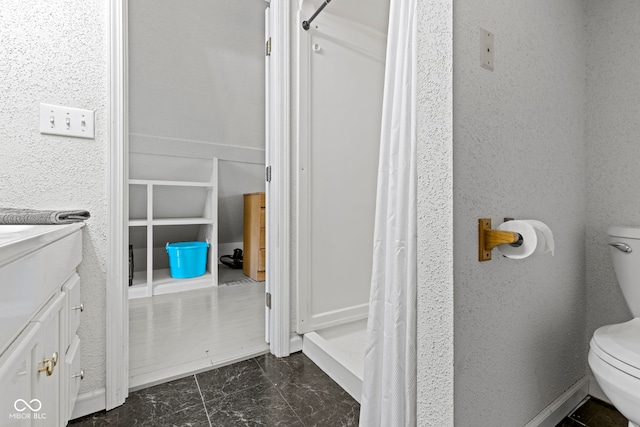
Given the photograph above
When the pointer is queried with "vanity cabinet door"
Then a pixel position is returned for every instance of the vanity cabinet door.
(73, 309)
(49, 364)
(18, 404)
(73, 375)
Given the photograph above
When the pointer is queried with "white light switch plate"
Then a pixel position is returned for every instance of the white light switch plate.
(486, 49)
(67, 121)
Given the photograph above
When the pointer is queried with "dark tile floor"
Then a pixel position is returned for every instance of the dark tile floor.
(264, 391)
(595, 413)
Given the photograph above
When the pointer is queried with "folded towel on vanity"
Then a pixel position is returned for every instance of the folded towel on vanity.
(37, 217)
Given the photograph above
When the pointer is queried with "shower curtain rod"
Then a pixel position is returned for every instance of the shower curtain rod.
(306, 24)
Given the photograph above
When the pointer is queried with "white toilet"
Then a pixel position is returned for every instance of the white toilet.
(614, 356)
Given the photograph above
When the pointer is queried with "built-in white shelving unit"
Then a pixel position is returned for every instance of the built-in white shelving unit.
(170, 207)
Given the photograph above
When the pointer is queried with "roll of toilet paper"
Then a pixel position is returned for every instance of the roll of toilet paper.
(537, 238)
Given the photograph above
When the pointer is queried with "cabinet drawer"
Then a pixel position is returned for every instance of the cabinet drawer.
(263, 238)
(263, 216)
(73, 372)
(73, 305)
(262, 257)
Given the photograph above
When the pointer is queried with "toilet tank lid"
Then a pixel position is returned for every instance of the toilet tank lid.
(628, 231)
(621, 341)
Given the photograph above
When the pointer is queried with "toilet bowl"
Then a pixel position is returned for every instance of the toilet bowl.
(614, 354)
(614, 358)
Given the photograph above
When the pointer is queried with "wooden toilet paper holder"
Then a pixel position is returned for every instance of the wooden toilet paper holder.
(489, 239)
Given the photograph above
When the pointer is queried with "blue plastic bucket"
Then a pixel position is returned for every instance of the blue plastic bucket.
(187, 259)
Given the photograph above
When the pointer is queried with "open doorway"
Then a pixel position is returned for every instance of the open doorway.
(197, 146)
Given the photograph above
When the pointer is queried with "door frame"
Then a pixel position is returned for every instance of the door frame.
(117, 303)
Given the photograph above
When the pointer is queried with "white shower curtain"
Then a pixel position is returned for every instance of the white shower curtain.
(389, 385)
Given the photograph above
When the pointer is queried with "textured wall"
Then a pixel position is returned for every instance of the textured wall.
(613, 90)
(56, 52)
(519, 152)
(435, 214)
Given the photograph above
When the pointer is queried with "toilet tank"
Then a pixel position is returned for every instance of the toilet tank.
(627, 265)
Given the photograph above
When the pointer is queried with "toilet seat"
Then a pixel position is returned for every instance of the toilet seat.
(619, 346)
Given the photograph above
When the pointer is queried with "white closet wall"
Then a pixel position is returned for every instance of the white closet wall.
(341, 85)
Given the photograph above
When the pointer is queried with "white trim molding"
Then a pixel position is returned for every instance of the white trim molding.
(295, 343)
(89, 403)
(117, 313)
(281, 184)
(562, 406)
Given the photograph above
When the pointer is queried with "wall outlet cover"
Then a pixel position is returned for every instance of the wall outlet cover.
(486, 49)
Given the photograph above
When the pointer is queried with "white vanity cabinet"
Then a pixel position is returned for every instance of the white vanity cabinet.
(39, 362)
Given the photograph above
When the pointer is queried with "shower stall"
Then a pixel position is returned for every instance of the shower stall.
(340, 62)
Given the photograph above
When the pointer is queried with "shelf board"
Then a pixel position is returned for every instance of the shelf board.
(163, 283)
(182, 221)
(170, 221)
(139, 279)
(138, 289)
(170, 183)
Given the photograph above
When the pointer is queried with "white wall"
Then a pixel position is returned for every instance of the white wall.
(197, 70)
(613, 129)
(57, 52)
(519, 152)
(197, 84)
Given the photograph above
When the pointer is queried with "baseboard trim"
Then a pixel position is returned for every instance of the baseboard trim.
(89, 403)
(562, 406)
(295, 344)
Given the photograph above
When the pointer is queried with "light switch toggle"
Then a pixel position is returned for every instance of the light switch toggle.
(67, 121)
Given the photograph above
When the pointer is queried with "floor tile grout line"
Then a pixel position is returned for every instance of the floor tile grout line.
(289, 405)
(577, 421)
(279, 392)
(203, 402)
(264, 373)
(239, 390)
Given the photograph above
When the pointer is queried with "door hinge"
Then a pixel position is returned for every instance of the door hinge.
(267, 174)
(268, 47)
(267, 300)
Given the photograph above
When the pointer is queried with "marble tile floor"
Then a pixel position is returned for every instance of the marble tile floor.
(263, 391)
(595, 413)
